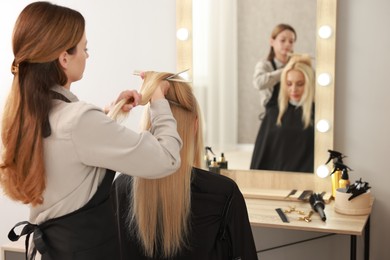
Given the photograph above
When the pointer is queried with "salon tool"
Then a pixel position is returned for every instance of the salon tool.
(307, 218)
(292, 192)
(337, 157)
(317, 203)
(358, 188)
(206, 155)
(172, 77)
(344, 179)
(305, 194)
(293, 209)
(282, 216)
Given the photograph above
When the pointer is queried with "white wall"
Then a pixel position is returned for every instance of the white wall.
(362, 125)
(123, 36)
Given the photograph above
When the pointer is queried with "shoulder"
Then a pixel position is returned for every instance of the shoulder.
(209, 182)
(64, 117)
(263, 64)
(72, 111)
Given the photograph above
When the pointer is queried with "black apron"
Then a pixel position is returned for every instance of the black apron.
(273, 101)
(89, 233)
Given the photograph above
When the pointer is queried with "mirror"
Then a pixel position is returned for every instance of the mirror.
(223, 125)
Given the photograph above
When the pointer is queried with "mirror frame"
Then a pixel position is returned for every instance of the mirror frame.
(325, 63)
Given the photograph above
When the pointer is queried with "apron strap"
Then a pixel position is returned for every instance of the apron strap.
(46, 128)
(27, 230)
(275, 93)
(101, 195)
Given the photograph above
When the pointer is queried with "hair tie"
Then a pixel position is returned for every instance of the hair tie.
(15, 69)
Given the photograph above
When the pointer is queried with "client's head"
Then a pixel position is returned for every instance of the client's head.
(297, 87)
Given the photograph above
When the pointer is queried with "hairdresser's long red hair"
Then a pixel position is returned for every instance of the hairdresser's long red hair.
(42, 32)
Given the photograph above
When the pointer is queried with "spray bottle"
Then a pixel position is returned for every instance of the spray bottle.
(207, 159)
(337, 158)
(344, 179)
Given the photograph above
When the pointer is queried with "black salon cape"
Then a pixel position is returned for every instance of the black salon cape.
(211, 196)
(288, 147)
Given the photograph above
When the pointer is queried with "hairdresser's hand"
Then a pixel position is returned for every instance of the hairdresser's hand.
(161, 90)
(133, 98)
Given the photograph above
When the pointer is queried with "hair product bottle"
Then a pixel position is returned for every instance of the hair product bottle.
(213, 167)
(344, 180)
(337, 158)
(223, 164)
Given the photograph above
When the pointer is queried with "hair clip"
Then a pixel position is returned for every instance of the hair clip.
(15, 69)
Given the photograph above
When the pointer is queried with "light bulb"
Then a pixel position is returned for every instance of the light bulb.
(323, 126)
(182, 34)
(324, 79)
(322, 171)
(325, 32)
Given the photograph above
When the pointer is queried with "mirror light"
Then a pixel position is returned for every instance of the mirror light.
(182, 34)
(325, 32)
(324, 79)
(322, 171)
(323, 126)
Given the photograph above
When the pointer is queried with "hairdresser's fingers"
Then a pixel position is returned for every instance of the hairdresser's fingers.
(127, 107)
(132, 102)
(164, 85)
(132, 97)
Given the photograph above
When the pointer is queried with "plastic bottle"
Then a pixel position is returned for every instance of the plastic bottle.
(214, 167)
(207, 159)
(337, 158)
(344, 180)
(223, 164)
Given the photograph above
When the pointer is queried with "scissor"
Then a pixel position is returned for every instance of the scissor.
(170, 78)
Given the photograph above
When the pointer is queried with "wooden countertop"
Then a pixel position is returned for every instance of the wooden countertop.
(262, 214)
(261, 210)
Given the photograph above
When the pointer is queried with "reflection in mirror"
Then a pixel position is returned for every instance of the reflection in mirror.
(217, 83)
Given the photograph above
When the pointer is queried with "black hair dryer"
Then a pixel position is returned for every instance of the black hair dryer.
(318, 204)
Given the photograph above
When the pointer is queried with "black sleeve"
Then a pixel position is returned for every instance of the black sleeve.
(243, 245)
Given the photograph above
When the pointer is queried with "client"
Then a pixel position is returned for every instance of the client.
(191, 214)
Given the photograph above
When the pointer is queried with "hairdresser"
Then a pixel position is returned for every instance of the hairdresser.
(60, 154)
(266, 76)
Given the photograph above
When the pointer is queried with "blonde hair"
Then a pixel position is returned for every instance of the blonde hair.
(160, 208)
(42, 31)
(302, 63)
